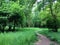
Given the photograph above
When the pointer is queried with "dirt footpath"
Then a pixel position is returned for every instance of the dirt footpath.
(43, 40)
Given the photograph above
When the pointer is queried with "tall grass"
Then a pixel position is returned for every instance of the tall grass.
(18, 38)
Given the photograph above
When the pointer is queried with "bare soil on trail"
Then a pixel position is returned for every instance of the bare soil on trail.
(43, 40)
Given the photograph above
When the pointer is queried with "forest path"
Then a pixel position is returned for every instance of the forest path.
(43, 40)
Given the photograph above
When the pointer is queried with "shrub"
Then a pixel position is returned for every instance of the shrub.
(13, 12)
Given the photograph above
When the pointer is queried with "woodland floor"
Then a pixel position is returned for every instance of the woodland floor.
(43, 40)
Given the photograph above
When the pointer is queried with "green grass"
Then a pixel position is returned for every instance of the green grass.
(54, 36)
(26, 37)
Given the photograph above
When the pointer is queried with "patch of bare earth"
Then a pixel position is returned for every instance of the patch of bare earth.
(43, 40)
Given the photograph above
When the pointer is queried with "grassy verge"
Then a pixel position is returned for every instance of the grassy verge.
(19, 37)
(54, 36)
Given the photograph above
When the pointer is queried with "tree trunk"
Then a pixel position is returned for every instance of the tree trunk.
(14, 26)
(43, 4)
(9, 28)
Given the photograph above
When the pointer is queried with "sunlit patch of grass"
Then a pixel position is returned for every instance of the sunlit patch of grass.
(26, 29)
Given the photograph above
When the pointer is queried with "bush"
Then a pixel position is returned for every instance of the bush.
(13, 12)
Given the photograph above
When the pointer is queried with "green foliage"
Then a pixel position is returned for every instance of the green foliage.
(11, 7)
(45, 14)
(13, 11)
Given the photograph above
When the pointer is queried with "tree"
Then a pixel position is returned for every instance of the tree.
(53, 26)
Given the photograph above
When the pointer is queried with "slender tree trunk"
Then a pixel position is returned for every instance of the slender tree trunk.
(9, 28)
(14, 26)
(43, 4)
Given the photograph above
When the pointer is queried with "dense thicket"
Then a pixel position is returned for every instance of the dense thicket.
(49, 14)
(18, 13)
(15, 13)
